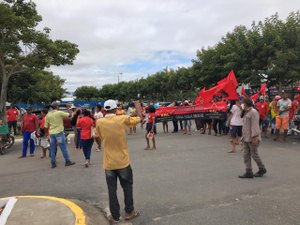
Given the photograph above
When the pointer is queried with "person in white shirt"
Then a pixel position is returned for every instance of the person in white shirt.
(282, 119)
(98, 115)
(236, 124)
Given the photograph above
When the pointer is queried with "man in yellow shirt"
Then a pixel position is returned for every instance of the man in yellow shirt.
(55, 122)
(112, 132)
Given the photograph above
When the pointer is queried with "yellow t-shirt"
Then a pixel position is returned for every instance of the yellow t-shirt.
(112, 132)
(120, 112)
(55, 121)
(273, 110)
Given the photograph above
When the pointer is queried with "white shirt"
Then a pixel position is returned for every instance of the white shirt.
(236, 119)
(98, 115)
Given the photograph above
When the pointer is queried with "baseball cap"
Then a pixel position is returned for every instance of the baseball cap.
(277, 97)
(54, 104)
(110, 105)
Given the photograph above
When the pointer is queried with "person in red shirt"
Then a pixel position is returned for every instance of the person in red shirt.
(12, 118)
(263, 109)
(292, 112)
(86, 124)
(29, 124)
(151, 128)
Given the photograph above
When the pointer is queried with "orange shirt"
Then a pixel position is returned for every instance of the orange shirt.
(42, 126)
(85, 124)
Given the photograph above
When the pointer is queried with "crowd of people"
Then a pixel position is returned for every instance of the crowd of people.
(109, 125)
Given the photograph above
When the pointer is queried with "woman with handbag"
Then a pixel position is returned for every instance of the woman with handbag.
(150, 128)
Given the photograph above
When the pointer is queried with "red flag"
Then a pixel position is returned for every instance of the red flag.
(230, 90)
(263, 89)
(230, 77)
(243, 92)
(255, 96)
(207, 95)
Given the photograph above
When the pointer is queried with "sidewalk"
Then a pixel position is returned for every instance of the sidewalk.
(45, 210)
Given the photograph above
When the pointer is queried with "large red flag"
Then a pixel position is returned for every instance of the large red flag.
(230, 77)
(263, 88)
(230, 90)
(207, 95)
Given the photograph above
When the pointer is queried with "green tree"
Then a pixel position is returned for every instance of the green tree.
(86, 93)
(23, 47)
(269, 50)
(36, 86)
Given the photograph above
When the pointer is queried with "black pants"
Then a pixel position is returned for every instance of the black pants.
(14, 125)
(218, 126)
(126, 181)
(175, 125)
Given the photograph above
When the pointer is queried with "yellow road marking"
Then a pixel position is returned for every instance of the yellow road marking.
(79, 214)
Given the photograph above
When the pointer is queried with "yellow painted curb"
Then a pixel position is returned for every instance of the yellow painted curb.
(79, 214)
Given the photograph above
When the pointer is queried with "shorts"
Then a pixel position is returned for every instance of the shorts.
(236, 131)
(149, 128)
(282, 122)
(45, 143)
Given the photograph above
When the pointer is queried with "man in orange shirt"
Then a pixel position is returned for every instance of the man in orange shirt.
(112, 132)
(12, 118)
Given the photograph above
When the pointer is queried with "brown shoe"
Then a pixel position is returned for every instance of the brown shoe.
(112, 220)
(133, 214)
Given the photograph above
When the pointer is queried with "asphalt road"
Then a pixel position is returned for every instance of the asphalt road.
(188, 180)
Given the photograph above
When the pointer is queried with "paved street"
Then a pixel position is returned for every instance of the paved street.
(188, 180)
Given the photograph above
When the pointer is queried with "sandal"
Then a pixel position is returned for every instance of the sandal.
(231, 152)
(132, 215)
(147, 148)
(112, 220)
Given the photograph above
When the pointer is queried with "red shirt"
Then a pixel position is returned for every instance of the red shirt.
(293, 109)
(85, 124)
(29, 122)
(263, 109)
(151, 117)
(12, 115)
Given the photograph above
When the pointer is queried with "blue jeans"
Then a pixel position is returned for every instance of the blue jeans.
(78, 143)
(26, 138)
(59, 139)
(87, 148)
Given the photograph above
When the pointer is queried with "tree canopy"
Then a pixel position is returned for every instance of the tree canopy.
(35, 86)
(86, 93)
(269, 51)
(24, 47)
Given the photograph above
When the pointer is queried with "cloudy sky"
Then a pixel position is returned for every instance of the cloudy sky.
(140, 37)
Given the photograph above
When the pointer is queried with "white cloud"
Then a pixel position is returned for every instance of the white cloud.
(114, 33)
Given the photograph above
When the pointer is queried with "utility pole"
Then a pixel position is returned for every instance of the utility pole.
(121, 76)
